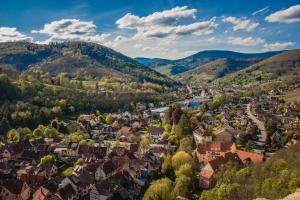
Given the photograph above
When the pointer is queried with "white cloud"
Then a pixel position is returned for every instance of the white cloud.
(71, 29)
(197, 28)
(261, 11)
(65, 27)
(10, 34)
(166, 17)
(277, 46)
(290, 15)
(248, 41)
(163, 24)
(241, 23)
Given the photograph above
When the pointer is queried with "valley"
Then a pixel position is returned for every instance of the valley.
(81, 118)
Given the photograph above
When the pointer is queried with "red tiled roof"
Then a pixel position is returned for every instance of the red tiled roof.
(254, 157)
(214, 146)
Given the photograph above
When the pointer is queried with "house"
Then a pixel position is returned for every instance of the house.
(136, 125)
(201, 135)
(109, 167)
(86, 182)
(111, 131)
(211, 150)
(14, 189)
(124, 132)
(100, 152)
(207, 173)
(51, 170)
(155, 132)
(107, 189)
(67, 192)
(102, 190)
(158, 112)
(226, 134)
(247, 157)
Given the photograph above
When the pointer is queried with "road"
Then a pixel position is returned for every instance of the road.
(259, 124)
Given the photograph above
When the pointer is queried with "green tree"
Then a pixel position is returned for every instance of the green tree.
(38, 133)
(183, 127)
(181, 158)
(167, 168)
(182, 186)
(26, 133)
(145, 143)
(294, 181)
(47, 160)
(100, 118)
(13, 136)
(185, 170)
(54, 123)
(50, 133)
(271, 127)
(108, 119)
(159, 190)
(186, 144)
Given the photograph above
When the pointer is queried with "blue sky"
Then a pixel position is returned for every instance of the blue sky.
(157, 28)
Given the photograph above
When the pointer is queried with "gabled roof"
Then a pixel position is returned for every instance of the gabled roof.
(155, 130)
(85, 179)
(254, 157)
(67, 191)
(113, 164)
(214, 146)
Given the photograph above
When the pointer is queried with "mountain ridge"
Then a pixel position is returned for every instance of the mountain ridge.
(179, 66)
(77, 59)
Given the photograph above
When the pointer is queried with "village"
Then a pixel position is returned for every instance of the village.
(117, 155)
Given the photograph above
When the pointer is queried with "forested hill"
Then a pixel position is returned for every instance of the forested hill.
(77, 59)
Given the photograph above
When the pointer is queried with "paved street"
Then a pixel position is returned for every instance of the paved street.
(259, 124)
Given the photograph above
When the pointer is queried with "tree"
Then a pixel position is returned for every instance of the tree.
(167, 168)
(183, 127)
(186, 144)
(26, 133)
(100, 118)
(181, 158)
(271, 127)
(47, 160)
(218, 100)
(108, 119)
(167, 120)
(38, 133)
(176, 115)
(4, 125)
(50, 133)
(145, 143)
(13, 136)
(79, 162)
(63, 129)
(182, 186)
(159, 190)
(54, 123)
(185, 170)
